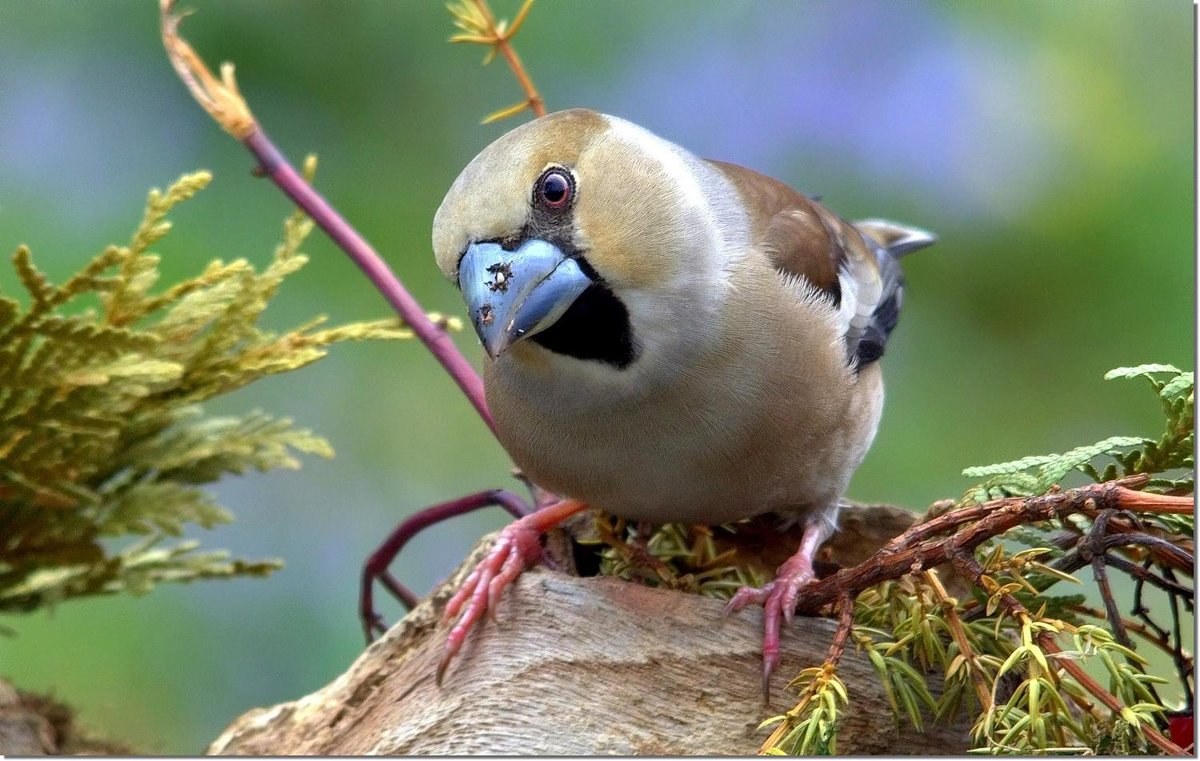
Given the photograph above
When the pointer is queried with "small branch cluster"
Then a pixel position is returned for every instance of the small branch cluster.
(225, 104)
(675, 556)
(479, 26)
(102, 435)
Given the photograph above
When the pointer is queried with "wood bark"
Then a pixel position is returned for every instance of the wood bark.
(38, 725)
(577, 666)
(24, 731)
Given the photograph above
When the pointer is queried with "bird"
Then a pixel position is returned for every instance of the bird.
(669, 339)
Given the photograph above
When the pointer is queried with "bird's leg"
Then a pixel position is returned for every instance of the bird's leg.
(541, 497)
(641, 536)
(376, 566)
(517, 547)
(779, 597)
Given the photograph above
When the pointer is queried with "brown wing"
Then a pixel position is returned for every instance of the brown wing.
(854, 264)
(799, 235)
(803, 238)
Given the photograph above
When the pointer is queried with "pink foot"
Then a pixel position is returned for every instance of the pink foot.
(778, 598)
(517, 548)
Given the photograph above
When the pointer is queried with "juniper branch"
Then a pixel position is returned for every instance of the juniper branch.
(479, 25)
(955, 625)
(917, 549)
(969, 567)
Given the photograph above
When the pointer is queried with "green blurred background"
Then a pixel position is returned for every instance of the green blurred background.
(1048, 144)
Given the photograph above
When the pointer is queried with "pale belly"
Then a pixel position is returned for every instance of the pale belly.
(710, 457)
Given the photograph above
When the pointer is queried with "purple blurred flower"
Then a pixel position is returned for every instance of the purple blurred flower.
(889, 92)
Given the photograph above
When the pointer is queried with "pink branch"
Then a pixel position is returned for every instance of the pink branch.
(436, 339)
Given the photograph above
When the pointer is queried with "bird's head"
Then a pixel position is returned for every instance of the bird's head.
(588, 237)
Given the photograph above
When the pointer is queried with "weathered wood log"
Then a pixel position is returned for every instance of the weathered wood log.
(39, 725)
(23, 730)
(576, 666)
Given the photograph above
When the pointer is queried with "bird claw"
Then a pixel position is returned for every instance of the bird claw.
(778, 600)
(747, 596)
(517, 548)
(373, 626)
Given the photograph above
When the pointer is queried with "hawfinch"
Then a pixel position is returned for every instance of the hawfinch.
(668, 338)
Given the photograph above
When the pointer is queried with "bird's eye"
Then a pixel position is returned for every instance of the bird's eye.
(554, 188)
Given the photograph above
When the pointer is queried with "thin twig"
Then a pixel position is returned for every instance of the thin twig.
(1162, 551)
(1113, 704)
(1169, 586)
(829, 666)
(960, 638)
(1183, 665)
(921, 547)
(1138, 501)
(1177, 629)
(840, 637)
(503, 42)
(1172, 644)
(480, 27)
(376, 566)
(225, 104)
(1094, 544)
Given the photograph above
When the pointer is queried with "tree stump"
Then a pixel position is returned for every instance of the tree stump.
(577, 666)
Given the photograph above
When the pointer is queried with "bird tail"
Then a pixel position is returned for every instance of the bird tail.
(898, 240)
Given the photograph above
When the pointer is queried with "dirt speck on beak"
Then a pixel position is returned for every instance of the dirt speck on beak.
(502, 273)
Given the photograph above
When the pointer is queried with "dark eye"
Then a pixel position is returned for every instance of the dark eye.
(554, 188)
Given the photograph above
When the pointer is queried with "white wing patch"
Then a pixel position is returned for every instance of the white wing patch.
(861, 292)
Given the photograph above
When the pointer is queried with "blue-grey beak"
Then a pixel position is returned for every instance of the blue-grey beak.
(514, 294)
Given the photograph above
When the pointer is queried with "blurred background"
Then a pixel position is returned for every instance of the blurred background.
(1050, 145)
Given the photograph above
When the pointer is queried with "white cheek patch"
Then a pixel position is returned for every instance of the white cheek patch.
(713, 221)
(669, 157)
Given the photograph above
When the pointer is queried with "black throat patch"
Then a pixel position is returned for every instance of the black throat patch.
(596, 327)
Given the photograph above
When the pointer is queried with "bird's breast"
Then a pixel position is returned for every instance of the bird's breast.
(720, 444)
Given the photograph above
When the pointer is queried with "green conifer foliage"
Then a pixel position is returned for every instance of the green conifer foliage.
(1170, 458)
(104, 445)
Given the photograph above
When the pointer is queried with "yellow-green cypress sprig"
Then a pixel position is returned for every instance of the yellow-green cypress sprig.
(101, 433)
